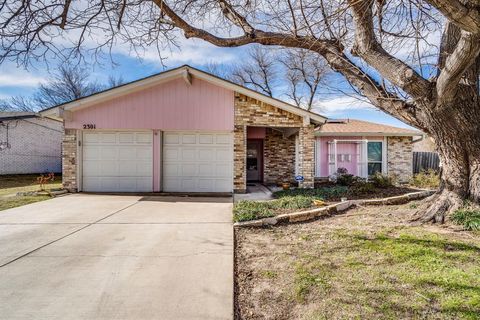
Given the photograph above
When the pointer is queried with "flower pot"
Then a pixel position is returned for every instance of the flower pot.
(286, 185)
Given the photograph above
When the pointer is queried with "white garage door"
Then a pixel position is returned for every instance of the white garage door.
(117, 161)
(197, 162)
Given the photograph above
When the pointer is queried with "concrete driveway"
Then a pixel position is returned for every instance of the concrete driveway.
(117, 257)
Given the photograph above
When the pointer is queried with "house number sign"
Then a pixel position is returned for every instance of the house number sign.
(89, 126)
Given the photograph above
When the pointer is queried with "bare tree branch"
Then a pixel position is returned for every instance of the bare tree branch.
(465, 16)
(367, 47)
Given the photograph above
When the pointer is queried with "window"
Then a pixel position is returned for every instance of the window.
(374, 157)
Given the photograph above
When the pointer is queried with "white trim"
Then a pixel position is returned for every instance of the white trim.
(173, 74)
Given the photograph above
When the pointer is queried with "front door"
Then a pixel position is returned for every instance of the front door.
(254, 160)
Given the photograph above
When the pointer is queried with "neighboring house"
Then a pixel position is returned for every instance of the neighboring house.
(364, 148)
(29, 143)
(184, 130)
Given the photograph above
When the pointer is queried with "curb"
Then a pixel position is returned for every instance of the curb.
(302, 216)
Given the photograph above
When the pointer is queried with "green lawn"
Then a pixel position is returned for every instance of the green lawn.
(369, 263)
(11, 184)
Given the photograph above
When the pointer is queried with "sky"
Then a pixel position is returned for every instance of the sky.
(16, 80)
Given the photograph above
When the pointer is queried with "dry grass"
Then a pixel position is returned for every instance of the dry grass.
(369, 263)
(10, 185)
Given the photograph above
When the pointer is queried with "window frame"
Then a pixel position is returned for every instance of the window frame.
(382, 158)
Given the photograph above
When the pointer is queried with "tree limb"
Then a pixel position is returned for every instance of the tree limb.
(464, 55)
(464, 17)
(368, 48)
(332, 51)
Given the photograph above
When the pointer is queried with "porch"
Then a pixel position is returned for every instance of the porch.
(273, 155)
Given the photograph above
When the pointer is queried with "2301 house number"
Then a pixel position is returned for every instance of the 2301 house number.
(89, 126)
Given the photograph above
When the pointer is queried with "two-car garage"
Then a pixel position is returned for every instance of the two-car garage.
(127, 161)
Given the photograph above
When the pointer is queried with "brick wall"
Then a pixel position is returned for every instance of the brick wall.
(307, 155)
(400, 157)
(35, 146)
(69, 160)
(279, 157)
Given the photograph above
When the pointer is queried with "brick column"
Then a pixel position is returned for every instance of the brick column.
(69, 160)
(240, 159)
(400, 158)
(306, 151)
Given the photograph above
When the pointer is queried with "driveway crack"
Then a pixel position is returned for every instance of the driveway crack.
(67, 235)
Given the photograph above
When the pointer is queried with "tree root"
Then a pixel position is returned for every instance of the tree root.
(438, 207)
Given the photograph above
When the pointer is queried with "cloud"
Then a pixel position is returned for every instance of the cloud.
(340, 104)
(17, 78)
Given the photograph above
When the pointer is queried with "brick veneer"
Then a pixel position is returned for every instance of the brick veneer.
(307, 155)
(400, 157)
(277, 168)
(279, 157)
(69, 160)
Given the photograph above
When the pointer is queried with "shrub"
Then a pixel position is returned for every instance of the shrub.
(469, 218)
(426, 179)
(382, 181)
(324, 193)
(346, 179)
(362, 187)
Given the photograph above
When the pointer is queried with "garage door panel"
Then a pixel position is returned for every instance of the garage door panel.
(188, 154)
(222, 170)
(189, 139)
(108, 138)
(191, 162)
(171, 170)
(206, 138)
(188, 169)
(117, 162)
(206, 169)
(107, 153)
(222, 154)
(223, 139)
(92, 153)
(171, 138)
(207, 154)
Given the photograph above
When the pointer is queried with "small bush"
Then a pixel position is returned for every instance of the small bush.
(346, 179)
(382, 181)
(363, 187)
(426, 179)
(324, 193)
(469, 218)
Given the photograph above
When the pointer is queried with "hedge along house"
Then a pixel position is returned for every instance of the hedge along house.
(364, 148)
(183, 130)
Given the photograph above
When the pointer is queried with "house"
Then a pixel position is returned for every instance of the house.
(184, 130)
(364, 148)
(29, 143)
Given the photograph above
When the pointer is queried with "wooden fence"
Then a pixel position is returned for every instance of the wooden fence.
(425, 161)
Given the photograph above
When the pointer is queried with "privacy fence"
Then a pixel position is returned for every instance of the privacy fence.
(425, 161)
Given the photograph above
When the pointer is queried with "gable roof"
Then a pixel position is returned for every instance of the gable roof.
(187, 72)
(348, 127)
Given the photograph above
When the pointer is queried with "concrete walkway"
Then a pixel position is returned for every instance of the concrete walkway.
(117, 257)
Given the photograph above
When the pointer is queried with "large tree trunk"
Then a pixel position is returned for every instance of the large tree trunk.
(454, 124)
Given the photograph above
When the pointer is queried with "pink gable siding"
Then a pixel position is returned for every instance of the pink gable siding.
(172, 105)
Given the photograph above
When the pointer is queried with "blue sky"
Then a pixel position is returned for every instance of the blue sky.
(15, 80)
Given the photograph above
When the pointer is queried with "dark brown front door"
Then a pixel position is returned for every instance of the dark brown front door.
(254, 160)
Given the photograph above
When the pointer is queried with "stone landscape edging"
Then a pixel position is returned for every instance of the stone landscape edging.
(312, 214)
